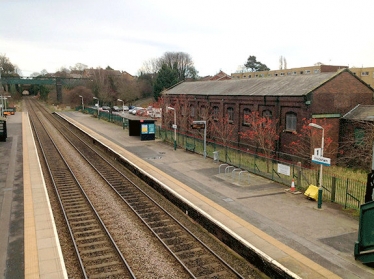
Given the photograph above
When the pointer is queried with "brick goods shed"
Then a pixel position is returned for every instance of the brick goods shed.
(289, 99)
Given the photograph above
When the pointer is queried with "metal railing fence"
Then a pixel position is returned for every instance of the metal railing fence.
(342, 190)
(345, 191)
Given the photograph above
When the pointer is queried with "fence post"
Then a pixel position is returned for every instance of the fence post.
(333, 188)
(299, 175)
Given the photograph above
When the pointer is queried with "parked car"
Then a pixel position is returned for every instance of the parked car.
(125, 108)
(105, 108)
(135, 110)
(141, 112)
(115, 108)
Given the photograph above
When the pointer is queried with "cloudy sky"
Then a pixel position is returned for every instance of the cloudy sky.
(218, 35)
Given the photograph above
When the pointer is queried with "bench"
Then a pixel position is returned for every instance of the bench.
(190, 147)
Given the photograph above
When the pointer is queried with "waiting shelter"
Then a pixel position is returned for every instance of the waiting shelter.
(143, 127)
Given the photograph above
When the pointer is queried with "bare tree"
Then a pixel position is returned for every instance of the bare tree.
(179, 61)
(356, 144)
(263, 132)
(182, 62)
(8, 69)
(78, 67)
(309, 138)
(151, 66)
(281, 62)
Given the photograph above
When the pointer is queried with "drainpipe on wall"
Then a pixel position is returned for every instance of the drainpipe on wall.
(277, 145)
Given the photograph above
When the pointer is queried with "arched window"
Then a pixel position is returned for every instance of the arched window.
(230, 113)
(192, 111)
(291, 121)
(202, 113)
(246, 113)
(267, 113)
(215, 112)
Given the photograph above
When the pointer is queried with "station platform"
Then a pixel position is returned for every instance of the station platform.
(286, 229)
(289, 230)
(29, 243)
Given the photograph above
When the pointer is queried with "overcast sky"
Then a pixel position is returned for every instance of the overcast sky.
(218, 35)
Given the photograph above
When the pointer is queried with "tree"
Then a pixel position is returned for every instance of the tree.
(73, 98)
(221, 129)
(150, 67)
(356, 145)
(181, 62)
(8, 69)
(166, 78)
(255, 66)
(78, 67)
(145, 82)
(309, 138)
(263, 132)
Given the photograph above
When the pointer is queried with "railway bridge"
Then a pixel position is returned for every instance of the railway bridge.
(27, 82)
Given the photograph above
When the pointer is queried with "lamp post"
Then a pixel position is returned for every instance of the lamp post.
(82, 101)
(5, 98)
(97, 106)
(1, 89)
(174, 127)
(321, 168)
(123, 105)
(123, 112)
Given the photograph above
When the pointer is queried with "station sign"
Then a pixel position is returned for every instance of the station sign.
(321, 160)
(197, 126)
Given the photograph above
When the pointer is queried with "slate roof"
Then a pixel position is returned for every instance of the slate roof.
(360, 113)
(298, 85)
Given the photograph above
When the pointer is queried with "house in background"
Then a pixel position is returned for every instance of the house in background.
(310, 70)
(366, 74)
(220, 76)
(325, 97)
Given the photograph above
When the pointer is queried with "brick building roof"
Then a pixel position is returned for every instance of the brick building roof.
(360, 113)
(298, 85)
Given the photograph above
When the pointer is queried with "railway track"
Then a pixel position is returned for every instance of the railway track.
(193, 255)
(97, 254)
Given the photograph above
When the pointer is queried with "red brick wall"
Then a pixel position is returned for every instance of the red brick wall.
(337, 96)
(340, 95)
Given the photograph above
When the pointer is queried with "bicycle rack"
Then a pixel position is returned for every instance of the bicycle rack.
(233, 173)
(221, 165)
(240, 174)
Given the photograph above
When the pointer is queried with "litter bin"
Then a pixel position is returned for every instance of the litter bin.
(215, 156)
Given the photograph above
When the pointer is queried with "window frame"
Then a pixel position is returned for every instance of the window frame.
(291, 121)
(215, 113)
(246, 111)
(230, 113)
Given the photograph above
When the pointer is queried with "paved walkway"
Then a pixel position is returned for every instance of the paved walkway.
(325, 236)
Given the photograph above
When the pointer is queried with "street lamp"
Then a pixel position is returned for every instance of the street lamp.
(123, 112)
(1, 89)
(320, 173)
(174, 126)
(5, 98)
(123, 105)
(82, 101)
(97, 106)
